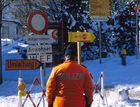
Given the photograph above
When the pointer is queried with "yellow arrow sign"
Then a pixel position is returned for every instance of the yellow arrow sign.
(81, 37)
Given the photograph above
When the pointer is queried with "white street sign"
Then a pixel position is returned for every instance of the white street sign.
(33, 39)
(34, 57)
(100, 18)
(44, 58)
(39, 49)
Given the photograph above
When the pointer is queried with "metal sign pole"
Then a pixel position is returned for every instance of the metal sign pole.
(42, 83)
(0, 42)
(41, 77)
(136, 34)
(44, 68)
(100, 42)
(139, 38)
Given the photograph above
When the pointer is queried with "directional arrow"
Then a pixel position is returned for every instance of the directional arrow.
(21, 64)
(81, 37)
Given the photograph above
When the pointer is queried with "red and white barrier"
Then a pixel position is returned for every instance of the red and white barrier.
(28, 94)
(101, 93)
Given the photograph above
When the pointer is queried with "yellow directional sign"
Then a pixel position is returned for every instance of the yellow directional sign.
(81, 37)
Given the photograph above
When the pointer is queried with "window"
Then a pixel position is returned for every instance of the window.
(5, 32)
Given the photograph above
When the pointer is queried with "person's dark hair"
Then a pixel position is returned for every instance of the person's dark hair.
(71, 51)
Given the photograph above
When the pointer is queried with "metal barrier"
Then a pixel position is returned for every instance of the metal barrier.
(28, 94)
(101, 93)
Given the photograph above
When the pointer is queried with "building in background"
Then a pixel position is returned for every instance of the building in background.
(10, 28)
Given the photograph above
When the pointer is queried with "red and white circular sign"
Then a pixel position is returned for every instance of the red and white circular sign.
(38, 22)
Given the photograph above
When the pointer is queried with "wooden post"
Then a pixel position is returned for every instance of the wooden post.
(79, 52)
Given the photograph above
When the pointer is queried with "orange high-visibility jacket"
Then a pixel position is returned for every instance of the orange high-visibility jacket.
(67, 83)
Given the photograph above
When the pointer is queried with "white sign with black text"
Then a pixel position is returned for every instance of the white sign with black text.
(33, 49)
(43, 58)
(33, 39)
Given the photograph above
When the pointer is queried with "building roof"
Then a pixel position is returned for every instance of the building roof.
(12, 20)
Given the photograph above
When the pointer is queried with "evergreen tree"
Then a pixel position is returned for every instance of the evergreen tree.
(124, 29)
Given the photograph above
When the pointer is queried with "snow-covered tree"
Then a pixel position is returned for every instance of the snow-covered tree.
(124, 29)
(117, 33)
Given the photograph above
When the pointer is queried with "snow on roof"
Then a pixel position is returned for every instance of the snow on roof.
(12, 20)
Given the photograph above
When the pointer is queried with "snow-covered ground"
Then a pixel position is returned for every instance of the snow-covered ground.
(118, 80)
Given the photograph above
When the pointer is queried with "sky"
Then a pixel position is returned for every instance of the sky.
(118, 79)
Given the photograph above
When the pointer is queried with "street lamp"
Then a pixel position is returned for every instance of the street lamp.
(0, 41)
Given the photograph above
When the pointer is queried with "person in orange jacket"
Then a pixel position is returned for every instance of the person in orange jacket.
(70, 84)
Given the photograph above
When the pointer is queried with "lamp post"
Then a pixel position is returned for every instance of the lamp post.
(137, 29)
(0, 41)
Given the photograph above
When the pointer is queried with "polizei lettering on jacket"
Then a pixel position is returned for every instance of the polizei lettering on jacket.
(71, 76)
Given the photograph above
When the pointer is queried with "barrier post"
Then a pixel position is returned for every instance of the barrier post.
(41, 75)
(28, 94)
(42, 83)
(102, 87)
(20, 98)
(101, 92)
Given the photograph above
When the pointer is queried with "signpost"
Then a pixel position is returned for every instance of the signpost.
(43, 44)
(139, 37)
(0, 42)
(21, 64)
(100, 10)
(80, 37)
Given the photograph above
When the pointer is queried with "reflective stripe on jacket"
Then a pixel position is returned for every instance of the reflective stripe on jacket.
(67, 82)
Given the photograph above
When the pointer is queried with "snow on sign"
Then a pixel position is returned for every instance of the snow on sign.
(21, 64)
(33, 49)
(38, 22)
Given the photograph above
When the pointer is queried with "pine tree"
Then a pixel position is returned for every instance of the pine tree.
(124, 29)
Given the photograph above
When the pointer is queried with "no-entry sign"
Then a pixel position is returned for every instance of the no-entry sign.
(38, 22)
(21, 64)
